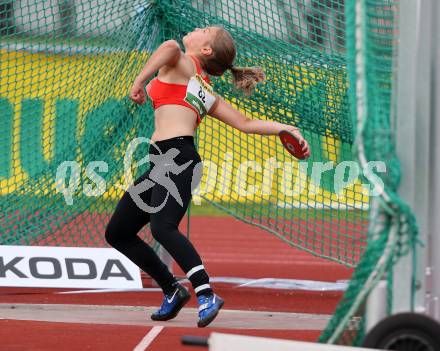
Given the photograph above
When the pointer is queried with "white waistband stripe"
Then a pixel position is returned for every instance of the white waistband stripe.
(202, 287)
(194, 270)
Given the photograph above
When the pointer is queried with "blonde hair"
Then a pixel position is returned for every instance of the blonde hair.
(223, 48)
(246, 78)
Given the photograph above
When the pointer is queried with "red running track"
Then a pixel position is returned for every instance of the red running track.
(229, 248)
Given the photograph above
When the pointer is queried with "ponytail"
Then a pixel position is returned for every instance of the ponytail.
(223, 48)
(246, 78)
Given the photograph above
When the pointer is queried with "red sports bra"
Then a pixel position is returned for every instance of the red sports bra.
(162, 93)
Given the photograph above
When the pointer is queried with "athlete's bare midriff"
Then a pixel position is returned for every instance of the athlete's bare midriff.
(172, 121)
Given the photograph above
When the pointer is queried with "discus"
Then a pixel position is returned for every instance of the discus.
(292, 144)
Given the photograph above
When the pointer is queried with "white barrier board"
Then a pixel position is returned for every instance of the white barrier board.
(66, 267)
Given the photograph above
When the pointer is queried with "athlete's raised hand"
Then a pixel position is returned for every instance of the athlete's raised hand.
(137, 93)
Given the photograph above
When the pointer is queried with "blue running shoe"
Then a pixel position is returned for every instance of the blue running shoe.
(208, 309)
(172, 304)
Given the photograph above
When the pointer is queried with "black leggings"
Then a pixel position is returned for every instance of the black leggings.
(172, 199)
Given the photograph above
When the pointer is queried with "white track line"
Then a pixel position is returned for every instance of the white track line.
(148, 339)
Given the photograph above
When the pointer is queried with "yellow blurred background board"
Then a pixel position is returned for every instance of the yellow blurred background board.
(53, 93)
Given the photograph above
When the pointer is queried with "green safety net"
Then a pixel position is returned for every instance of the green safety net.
(372, 33)
(68, 125)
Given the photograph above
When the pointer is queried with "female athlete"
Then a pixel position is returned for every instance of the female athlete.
(181, 97)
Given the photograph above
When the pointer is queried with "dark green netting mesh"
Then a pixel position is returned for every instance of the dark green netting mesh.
(66, 70)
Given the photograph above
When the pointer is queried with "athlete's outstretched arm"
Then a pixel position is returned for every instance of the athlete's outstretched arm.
(227, 114)
(167, 54)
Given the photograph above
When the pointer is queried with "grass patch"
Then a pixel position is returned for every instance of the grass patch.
(206, 209)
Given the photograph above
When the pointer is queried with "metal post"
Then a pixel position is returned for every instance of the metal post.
(67, 17)
(433, 267)
(413, 149)
(7, 21)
